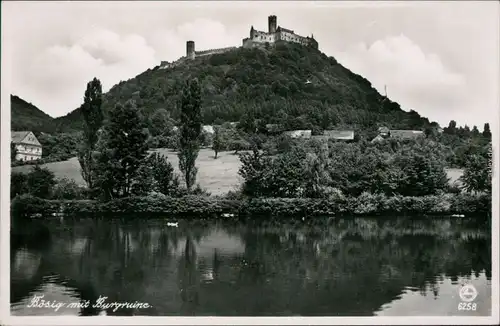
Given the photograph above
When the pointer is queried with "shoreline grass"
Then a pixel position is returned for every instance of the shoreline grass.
(466, 204)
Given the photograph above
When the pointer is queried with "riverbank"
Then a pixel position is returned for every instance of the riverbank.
(216, 207)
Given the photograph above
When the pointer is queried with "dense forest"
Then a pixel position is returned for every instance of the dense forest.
(26, 116)
(287, 83)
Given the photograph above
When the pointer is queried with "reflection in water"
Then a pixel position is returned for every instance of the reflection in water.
(360, 267)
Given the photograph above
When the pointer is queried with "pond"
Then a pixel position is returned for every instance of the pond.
(341, 267)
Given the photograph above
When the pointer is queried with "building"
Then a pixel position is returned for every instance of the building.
(377, 139)
(276, 33)
(27, 146)
(339, 134)
(299, 133)
(384, 132)
(257, 38)
(274, 128)
(406, 134)
(209, 129)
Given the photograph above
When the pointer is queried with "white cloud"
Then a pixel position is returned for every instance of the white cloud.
(55, 78)
(58, 47)
(414, 79)
(59, 72)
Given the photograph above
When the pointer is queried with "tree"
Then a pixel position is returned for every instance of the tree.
(218, 144)
(487, 131)
(451, 129)
(93, 119)
(190, 135)
(18, 184)
(40, 182)
(478, 171)
(13, 152)
(475, 131)
(422, 174)
(121, 152)
(161, 123)
(162, 171)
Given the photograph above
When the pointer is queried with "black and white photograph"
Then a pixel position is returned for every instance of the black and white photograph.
(229, 162)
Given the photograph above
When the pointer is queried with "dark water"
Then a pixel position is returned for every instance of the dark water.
(357, 267)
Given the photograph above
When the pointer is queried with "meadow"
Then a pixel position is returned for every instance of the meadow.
(218, 176)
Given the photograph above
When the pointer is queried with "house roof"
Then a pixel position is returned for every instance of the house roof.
(286, 30)
(339, 134)
(18, 136)
(406, 133)
(383, 130)
(378, 138)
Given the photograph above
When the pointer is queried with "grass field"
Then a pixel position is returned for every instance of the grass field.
(218, 176)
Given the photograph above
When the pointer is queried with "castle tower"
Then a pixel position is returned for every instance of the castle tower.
(190, 50)
(272, 22)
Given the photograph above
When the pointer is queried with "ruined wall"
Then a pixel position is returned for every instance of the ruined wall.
(213, 51)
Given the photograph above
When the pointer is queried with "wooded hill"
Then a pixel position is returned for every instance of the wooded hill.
(288, 83)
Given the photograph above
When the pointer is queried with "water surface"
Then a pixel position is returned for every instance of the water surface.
(344, 267)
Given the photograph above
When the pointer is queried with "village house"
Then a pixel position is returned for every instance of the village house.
(339, 134)
(27, 146)
(406, 134)
(384, 132)
(299, 133)
(208, 129)
(336, 135)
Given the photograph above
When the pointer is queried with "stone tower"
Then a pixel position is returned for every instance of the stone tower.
(272, 21)
(190, 50)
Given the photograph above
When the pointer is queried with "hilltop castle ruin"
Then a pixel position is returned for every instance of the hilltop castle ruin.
(257, 38)
(276, 33)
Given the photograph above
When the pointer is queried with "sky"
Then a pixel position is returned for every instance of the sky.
(440, 59)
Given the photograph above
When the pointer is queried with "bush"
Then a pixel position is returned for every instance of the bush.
(302, 169)
(40, 182)
(192, 206)
(45, 160)
(165, 181)
(477, 174)
(18, 184)
(68, 189)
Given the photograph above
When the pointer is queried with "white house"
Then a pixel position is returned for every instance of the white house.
(299, 133)
(27, 146)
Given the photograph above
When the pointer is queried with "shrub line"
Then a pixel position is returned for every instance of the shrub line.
(466, 204)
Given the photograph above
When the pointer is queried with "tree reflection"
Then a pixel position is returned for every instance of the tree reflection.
(341, 267)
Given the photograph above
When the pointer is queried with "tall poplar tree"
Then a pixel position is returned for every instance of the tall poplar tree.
(190, 131)
(93, 118)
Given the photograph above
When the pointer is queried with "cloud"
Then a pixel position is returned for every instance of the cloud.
(59, 72)
(55, 77)
(206, 33)
(415, 79)
(439, 59)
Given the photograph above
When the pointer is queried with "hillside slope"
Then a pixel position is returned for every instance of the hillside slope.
(26, 116)
(288, 82)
